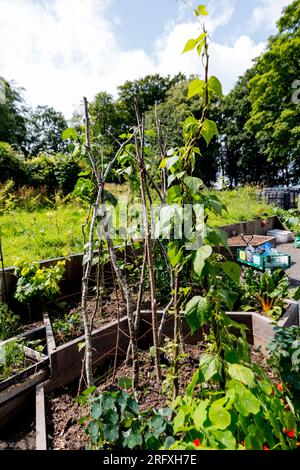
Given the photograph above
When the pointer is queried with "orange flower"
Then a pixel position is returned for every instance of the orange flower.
(290, 432)
(197, 442)
(280, 387)
(265, 447)
(243, 443)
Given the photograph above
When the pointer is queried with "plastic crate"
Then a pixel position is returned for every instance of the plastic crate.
(262, 262)
(256, 260)
(279, 260)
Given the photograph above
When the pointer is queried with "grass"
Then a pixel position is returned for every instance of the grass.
(50, 233)
(44, 233)
(242, 204)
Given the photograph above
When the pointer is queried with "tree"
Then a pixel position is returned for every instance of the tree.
(274, 117)
(11, 165)
(241, 159)
(145, 92)
(44, 130)
(12, 115)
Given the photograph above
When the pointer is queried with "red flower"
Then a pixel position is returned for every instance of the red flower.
(243, 443)
(197, 442)
(290, 432)
(280, 387)
(265, 447)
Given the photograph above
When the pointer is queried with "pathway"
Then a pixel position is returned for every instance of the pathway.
(294, 271)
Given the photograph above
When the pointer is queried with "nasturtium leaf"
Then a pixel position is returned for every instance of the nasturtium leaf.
(215, 85)
(245, 402)
(196, 87)
(209, 367)
(197, 313)
(209, 130)
(219, 417)
(202, 254)
(232, 270)
(169, 442)
(201, 11)
(69, 134)
(200, 414)
(178, 423)
(241, 373)
(194, 184)
(226, 438)
(108, 403)
(265, 386)
(156, 422)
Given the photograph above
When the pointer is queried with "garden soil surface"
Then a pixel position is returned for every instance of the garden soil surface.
(63, 413)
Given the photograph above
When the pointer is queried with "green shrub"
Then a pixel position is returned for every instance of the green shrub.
(11, 165)
(13, 359)
(9, 323)
(39, 283)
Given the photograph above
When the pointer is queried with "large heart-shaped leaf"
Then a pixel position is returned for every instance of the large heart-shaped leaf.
(197, 313)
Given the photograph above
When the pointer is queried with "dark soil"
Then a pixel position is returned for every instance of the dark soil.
(20, 434)
(256, 240)
(112, 307)
(63, 412)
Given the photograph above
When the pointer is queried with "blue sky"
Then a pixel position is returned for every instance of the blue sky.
(60, 50)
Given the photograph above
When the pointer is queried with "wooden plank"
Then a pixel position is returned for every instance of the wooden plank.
(19, 388)
(11, 409)
(40, 418)
(291, 316)
(51, 345)
(15, 379)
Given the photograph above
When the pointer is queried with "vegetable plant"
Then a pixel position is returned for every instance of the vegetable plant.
(68, 327)
(12, 358)
(284, 352)
(9, 322)
(36, 283)
(266, 292)
(115, 421)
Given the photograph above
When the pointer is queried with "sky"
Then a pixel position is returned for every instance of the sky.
(61, 50)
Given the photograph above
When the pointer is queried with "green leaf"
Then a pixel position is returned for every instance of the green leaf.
(209, 130)
(169, 442)
(190, 45)
(125, 382)
(96, 411)
(194, 184)
(93, 429)
(245, 402)
(200, 414)
(209, 366)
(202, 254)
(253, 443)
(201, 11)
(111, 432)
(229, 297)
(232, 270)
(178, 424)
(174, 254)
(174, 195)
(132, 439)
(226, 438)
(196, 87)
(69, 134)
(241, 373)
(197, 313)
(215, 85)
(219, 417)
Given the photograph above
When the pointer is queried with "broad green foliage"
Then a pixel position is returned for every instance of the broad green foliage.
(35, 282)
(44, 131)
(274, 117)
(9, 323)
(248, 414)
(12, 165)
(12, 116)
(284, 358)
(266, 292)
(115, 421)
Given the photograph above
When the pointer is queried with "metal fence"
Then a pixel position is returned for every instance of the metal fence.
(286, 198)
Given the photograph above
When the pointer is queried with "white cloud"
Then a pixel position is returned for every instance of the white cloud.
(267, 14)
(60, 50)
